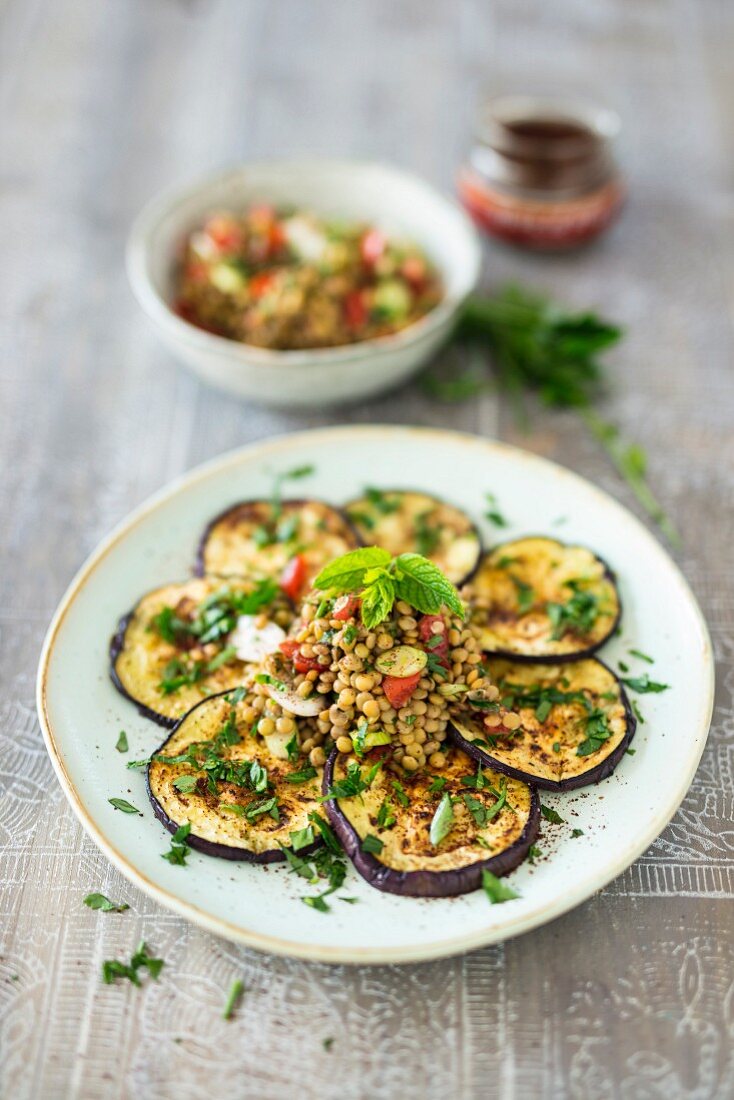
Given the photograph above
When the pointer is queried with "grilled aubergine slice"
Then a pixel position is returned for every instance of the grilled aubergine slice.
(159, 666)
(263, 537)
(541, 600)
(234, 812)
(402, 521)
(386, 829)
(575, 724)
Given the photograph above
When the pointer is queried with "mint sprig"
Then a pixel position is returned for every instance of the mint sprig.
(381, 580)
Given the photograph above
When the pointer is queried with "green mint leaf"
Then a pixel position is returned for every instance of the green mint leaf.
(185, 783)
(496, 890)
(346, 573)
(123, 805)
(236, 990)
(551, 815)
(99, 901)
(422, 584)
(442, 822)
(377, 601)
(121, 744)
(644, 685)
(372, 845)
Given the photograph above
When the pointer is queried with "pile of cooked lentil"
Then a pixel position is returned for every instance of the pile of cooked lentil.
(331, 654)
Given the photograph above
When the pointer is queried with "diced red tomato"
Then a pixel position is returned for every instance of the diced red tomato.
(425, 629)
(225, 233)
(261, 283)
(413, 270)
(292, 651)
(372, 246)
(345, 607)
(293, 577)
(355, 308)
(196, 271)
(398, 689)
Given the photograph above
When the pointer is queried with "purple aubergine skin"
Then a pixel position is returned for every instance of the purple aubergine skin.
(426, 884)
(199, 567)
(473, 527)
(586, 779)
(117, 641)
(210, 847)
(573, 655)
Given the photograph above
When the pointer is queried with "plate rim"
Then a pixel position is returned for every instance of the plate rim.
(437, 949)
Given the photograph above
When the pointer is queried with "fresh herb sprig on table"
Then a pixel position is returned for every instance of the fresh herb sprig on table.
(537, 347)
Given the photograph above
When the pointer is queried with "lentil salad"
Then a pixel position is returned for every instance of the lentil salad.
(285, 279)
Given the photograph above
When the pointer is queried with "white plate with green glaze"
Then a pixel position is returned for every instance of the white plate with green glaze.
(81, 713)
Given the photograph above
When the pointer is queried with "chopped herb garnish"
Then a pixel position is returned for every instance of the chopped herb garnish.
(477, 809)
(637, 712)
(385, 815)
(496, 890)
(534, 853)
(437, 784)
(113, 968)
(236, 990)
(179, 849)
(623, 667)
(400, 793)
(493, 513)
(353, 783)
(556, 746)
(597, 732)
(328, 1043)
(525, 595)
(577, 615)
(302, 838)
(551, 815)
(121, 744)
(644, 685)
(372, 845)
(302, 775)
(577, 832)
(642, 656)
(630, 752)
(382, 579)
(99, 901)
(125, 806)
(185, 783)
(443, 820)
(381, 502)
(265, 806)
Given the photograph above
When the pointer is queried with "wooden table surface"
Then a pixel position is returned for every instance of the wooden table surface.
(629, 996)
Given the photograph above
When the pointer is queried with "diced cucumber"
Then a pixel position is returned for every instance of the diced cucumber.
(401, 661)
(392, 299)
(227, 277)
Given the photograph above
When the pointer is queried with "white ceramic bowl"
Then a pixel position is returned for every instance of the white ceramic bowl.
(398, 202)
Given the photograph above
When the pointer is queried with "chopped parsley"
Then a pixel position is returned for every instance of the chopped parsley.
(443, 820)
(113, 968)
(427, 537)
(400, 794)
(179, 850)
(385, 815)
(493, 513)
(125, 806)
(577, 615)
(496, 890)
(372, 845)
(99, 901)
(551, 815)
(597, 732)
(644, 685)
(525, 595)
(353, 783)
(236, 990)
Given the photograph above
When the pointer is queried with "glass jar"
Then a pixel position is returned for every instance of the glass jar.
(541, 173)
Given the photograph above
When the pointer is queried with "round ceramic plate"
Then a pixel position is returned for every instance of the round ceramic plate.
(82, 714)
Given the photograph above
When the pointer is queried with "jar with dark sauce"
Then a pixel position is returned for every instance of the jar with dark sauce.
(541, 173)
